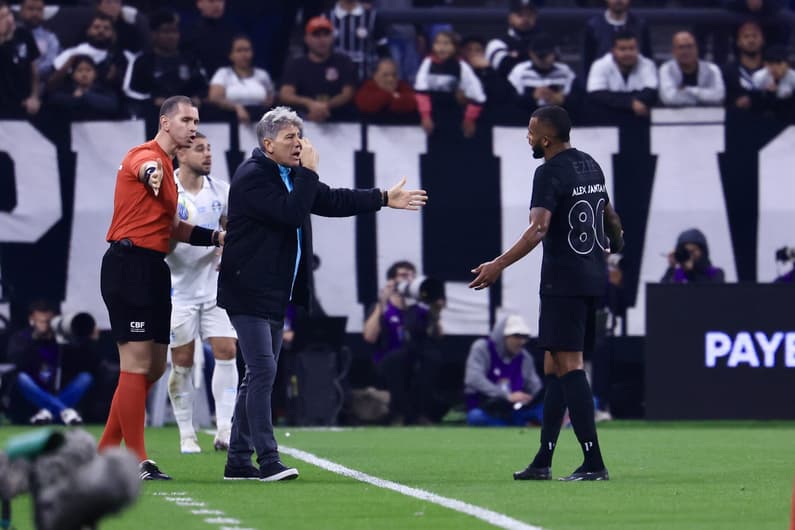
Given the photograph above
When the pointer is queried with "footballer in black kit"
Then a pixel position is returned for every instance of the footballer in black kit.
(570, 212)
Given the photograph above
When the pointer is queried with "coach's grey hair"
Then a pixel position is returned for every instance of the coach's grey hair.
(275, 120)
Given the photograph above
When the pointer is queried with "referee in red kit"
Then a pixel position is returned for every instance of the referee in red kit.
(135, 279)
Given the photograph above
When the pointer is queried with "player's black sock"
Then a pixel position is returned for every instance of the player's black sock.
(554, 408)
(579, 398)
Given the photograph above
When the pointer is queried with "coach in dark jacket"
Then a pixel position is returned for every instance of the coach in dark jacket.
(267, 263)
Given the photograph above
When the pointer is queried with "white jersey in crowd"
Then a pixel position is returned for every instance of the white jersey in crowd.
(605, 75)
(710, 89)
(525, 78)
(251, 90)
(194, 270)
(785, 88)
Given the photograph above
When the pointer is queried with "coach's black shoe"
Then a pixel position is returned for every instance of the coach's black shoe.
(148, 470)
(533, 473)
(580, 474)
(277, 471)
(241, 473)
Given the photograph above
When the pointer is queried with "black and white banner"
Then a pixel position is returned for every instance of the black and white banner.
(690, 168)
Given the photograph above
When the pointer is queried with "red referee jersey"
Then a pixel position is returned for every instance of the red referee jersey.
(139, 215)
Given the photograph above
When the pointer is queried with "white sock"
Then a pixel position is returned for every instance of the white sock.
(224, 385)
(180, 392)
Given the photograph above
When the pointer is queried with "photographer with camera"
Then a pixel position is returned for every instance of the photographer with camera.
(53, 368)
(689, 262)
(404, 327)
(786, 255)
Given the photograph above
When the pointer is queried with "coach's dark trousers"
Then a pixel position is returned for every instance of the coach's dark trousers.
(260, 341)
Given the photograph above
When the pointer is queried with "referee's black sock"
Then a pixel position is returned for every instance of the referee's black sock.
(554, 408)
(581, 410)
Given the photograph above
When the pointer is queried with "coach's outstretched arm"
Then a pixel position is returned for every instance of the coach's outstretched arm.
(487, 273)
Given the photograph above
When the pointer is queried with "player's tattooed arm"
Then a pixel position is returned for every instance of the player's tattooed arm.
(613, 229)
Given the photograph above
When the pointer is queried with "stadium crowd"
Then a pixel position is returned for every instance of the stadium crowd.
(100, 59)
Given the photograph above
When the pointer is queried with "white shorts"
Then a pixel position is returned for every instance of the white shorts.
(207, 319)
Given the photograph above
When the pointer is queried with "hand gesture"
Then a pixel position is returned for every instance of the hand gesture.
(242, 114)
(387, 291)
(487, 274)
(309, 157)
(155, 178)
(318, 111)
(639, 108)
(427, 125)
(520, 397)
(406, 199)
(468, 128)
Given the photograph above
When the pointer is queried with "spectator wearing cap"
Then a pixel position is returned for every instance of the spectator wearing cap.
(542, 80)
(320, 84)
(31, 15)
(501, 383)
(601, 29)
(776, 84)
(505, 52)
(210, 36)
(19, 93)
(164, 71)
(386, 98)
(738, 74)
(359, 34)
(687, 81)
(623, 83)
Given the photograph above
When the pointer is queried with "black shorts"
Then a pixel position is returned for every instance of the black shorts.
(136, 288)
(567, 323)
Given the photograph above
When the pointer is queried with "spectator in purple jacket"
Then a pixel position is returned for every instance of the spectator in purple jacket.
(689, 262)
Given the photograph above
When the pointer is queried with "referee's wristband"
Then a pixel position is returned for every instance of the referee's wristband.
(385, 198)
(203, 237)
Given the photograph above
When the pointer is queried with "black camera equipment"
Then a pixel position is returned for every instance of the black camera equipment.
(73, 328)
(422, 289)
(681, 255)
(785, 254)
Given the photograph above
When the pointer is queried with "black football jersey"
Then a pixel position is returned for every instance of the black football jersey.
(572, 186)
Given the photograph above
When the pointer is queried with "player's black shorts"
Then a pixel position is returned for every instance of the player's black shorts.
(567, 323)
(136, 288)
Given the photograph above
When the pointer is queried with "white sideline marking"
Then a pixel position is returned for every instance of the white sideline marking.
(489, 516)
(181, 498)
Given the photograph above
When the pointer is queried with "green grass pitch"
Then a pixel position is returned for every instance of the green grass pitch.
(664, 476)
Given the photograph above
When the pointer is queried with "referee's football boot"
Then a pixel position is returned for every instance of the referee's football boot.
(277, 471)
(533, 473)
(148, 470)
(580, 474)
